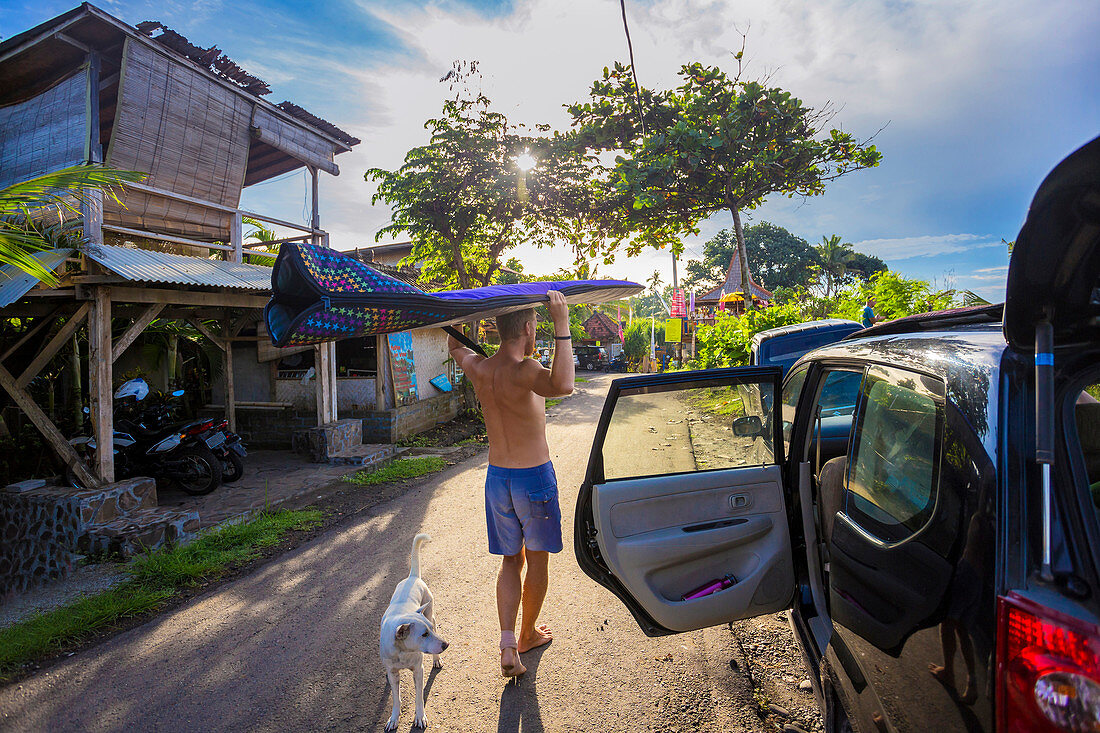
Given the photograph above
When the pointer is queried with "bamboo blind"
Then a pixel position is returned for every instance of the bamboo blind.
(189, 133)
(295, 141)
(46, 132)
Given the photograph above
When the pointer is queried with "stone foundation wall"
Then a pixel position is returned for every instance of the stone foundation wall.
(38, 534)
(42, 528)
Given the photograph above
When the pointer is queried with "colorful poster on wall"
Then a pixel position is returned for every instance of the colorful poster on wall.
(402, 367)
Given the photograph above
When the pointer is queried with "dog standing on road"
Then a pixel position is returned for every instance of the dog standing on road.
(408, 633)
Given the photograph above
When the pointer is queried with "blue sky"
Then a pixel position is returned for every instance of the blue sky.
(979, 99)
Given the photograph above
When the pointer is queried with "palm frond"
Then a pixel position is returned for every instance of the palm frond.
(24, 226)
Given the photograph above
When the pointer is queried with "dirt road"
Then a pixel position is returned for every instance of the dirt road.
(294, 646)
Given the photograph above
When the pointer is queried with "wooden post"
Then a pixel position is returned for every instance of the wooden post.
(49, 431)
(236, 237)
(230, 398)
(95, 150)
(379, 373)
(315, 221)
(91, 210)
(99, 382)
(140, 324)
(50, 350)
(324, 363)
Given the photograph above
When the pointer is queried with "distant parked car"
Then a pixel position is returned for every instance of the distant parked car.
(591, 358)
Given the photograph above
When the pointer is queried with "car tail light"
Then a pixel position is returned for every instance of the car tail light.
(1048, 669)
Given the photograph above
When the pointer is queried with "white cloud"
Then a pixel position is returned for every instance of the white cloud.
(947, 76)
(924, 246)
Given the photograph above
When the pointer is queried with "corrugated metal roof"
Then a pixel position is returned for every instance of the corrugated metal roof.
(142, 265)
(14, 283)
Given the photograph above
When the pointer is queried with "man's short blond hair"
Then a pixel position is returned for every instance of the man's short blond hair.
(510, 325)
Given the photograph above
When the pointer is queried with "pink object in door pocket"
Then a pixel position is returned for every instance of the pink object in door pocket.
(711, 586)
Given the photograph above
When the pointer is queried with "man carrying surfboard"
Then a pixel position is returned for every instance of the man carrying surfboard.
(521, 492)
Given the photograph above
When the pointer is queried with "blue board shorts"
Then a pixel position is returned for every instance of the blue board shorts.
(521, 509)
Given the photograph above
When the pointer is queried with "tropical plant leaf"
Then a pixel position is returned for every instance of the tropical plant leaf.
(25, 226)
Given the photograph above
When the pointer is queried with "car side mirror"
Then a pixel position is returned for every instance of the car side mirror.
(749, 426)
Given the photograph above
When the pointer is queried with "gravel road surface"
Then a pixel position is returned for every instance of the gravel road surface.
(294, 646)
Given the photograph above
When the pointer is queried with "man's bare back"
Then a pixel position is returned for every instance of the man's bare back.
(513, 388)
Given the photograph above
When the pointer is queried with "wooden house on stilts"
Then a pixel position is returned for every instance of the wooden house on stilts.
(87, 87)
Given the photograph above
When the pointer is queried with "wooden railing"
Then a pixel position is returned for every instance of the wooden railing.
(235, 248)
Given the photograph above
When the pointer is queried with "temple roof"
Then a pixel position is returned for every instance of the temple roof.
(732, 284)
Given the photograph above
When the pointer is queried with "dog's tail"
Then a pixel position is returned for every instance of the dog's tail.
(414, 561)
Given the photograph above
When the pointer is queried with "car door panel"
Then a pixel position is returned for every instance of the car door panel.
(674, 515)
(665, 536)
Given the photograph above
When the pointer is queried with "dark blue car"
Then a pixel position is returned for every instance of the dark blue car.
(785, 345)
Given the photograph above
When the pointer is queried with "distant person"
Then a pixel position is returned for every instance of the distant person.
(521, 490)
(869, 317)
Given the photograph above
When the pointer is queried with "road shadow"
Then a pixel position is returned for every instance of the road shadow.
(519, 701)
(260, 667)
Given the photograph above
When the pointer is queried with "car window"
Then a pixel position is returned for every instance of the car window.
(894, 464)
(1087, 414)
(839, 393)
(792, 389)
(658, 431)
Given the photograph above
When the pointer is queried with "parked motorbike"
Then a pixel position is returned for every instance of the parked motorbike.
(619, 364)
(228, 447)
(148, 443)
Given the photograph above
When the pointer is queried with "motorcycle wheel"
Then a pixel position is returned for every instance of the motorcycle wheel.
(232, 467)
(205, 472)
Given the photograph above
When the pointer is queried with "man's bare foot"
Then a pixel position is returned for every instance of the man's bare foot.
(540, 636)
(510, 666)
(942, 674)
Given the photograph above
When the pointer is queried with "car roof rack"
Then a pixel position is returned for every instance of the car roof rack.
(935, 321)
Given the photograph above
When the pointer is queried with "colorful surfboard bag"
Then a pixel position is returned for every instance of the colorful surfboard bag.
(320, 294)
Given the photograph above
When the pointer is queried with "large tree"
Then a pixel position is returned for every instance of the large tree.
(465, 199)
(782, 259)
(713, 143)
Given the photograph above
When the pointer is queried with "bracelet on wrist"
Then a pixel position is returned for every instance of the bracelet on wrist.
(562, 338)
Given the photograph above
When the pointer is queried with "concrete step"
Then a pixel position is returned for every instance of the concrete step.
(329, 440)
(139, 531)
(369, 454)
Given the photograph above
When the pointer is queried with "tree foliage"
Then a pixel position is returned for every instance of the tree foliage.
(464, 202)
(781, 259)
(712, 143)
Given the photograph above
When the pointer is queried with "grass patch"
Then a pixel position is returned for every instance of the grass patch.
(553, 403)
(719, 401)
(155, 578)
(580, 379)
(402, 469)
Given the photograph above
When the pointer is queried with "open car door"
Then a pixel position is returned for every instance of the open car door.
(682, 513)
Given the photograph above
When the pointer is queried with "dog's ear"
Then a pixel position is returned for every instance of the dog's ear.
(403, 631)
(423, 608)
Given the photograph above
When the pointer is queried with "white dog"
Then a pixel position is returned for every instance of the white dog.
(408, 633)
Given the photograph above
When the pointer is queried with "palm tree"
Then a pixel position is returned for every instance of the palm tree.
(835, 256)
(266, 256)
(28, 210)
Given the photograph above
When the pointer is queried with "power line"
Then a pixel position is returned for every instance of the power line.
(633, 70)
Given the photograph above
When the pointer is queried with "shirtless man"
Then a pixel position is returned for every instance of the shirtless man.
(521, 490)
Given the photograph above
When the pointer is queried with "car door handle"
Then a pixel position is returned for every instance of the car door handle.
(714, 525)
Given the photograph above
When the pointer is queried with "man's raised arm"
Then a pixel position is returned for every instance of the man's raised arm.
(558, 380)
(462, 354)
